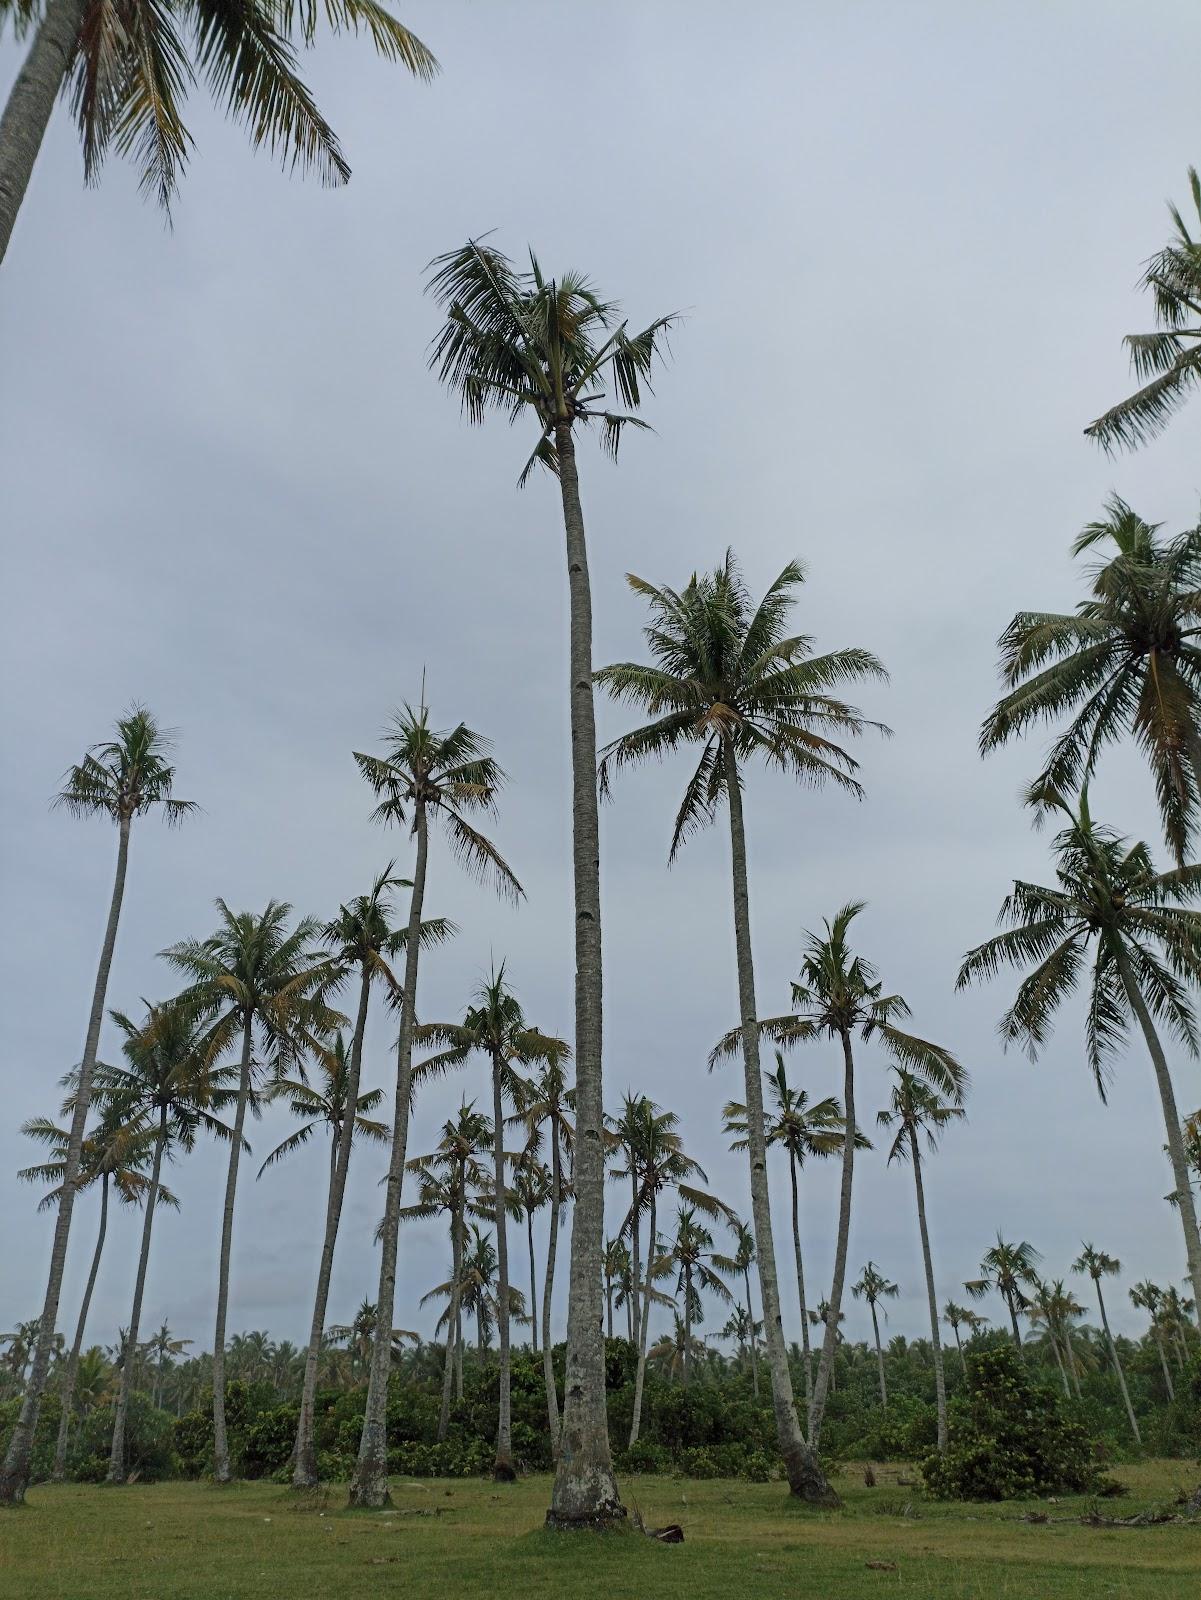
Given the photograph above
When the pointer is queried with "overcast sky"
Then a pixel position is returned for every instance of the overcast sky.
(907, 242)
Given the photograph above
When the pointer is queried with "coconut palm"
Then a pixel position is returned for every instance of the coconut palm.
(1046, 1310)
(918, 1107)
(1177, 1315)
(739, 1264)
(424, 775)
(1127, 663)
(873, 1287)
(1098, 1264)
(1149, 1297)
(617, 1266)
(162, 1347)
(525, 344)
(691, 1256)
(744, 1330)
(675, 1352)
(725, 674)
(1109, 900)
(123, 778)
(531, 1190)
(253, 979)
(549, 1109)
(476, 1291)
(957, 1317)
(1010, 1269)
(1167, 363)
(495, 1026)
(129, 72)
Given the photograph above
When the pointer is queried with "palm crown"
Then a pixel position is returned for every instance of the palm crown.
(873, 1286)
(1011, 1269)
(324, 1105)
(126, 776)
(916, 1107)
(801, 1128)
(117, 1148)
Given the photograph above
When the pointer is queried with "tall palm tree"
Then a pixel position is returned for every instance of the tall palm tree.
(1127, 663)
(617, 1266)
(549, 1109)
(690, 1254)
(251, 978)
(129, 71)
(531, 1190)
(1010, 1269)
(121, 779)
(1149, 1297)
(744, 1330)
(1098, 1264)
(873, 1287)
(116, 1152)
(425, 775)
(495, 1026)
(918, 1107)
(1045, 1311)
(675, 1351)
(957, 1317)
(806, 1132)
(1167, 363)
(476, 1290)
(525, 344)
(725, 674)
(1108, 898)
(162, 1347)
(739, 1264)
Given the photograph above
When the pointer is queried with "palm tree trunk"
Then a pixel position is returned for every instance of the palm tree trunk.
(14, 1476)
(64, 1424)
(548, 1283)
(1071, 1355)
(585, 1492)
(635, 1244)
(644, 1328)
(805, 1476)
(369, 1486)
(879, 1358)
(750, 1313)
(529, 1231)
(221, 1466)
(608, 1305)
(800, 1280)
(1013, 1322)
(116, 1457)
(1163, 1362)
(1117, 1366)
(1171, 1119)
(959, 1346)
(304, 1469)
(502, 1467)
(940, 1381)
(30, 104)
(687, 1326)
(453, 1315)
(1063, 1371)
(825, 1366)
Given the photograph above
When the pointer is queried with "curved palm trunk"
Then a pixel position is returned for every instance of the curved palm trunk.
(1073, 1373)
(548, 1283)
(825, 1366)
(750, 1313)
(1163, 1362)
(1171, 1121)
(585, 1492)
(304, 1469)
(14, 1476)
(369, 1486)
(800, 1280)
(116, 1457)
(805, 1476)
(940, 1381)
(64, 1423)
(959, 1346)
(1117, 1366)
(453, 1315)
(30, 104)
(529, 1233)
(1058, 1354)
(879, 1358)
(502, 1467)
(221, 1466)
(644, 1329)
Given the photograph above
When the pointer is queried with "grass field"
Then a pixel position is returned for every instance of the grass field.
(189, 1541)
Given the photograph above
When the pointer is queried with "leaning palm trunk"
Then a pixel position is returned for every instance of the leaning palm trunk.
(879, 1359)
(644, 1327)
(64, 1421)
(1058, 1354)
(750, 1313)
(825, 1366)
(221, 1465)
(805, 1476)
(940, 1383)
(116, 1457)
(304, 1470)
(1117, 1366)
(453, 1314)
(806, 1355)
(14, 1477)
(30, 104)
(502, 1467)
(585, 1492)
(548, 1283)
(369, 1486)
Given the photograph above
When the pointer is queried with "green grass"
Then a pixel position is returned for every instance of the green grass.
(189, 1541)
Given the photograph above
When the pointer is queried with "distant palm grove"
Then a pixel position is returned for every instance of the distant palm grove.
(696, 1336)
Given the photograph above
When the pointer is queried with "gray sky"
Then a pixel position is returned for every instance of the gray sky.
(907, 239)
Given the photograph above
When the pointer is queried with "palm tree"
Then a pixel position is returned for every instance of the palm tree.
(522, 343)
(1046, 1311)
(957, 1317)
(424, 774)
(1149, 1297)
(617, 1266)
(121, 779)
(116, 1151)
(496, 1027)
(531, 1189)
(1108, 896)
(1127, 662)
(476, 1291)
(691, 1256)
(824, 1317)
(1177, 1312)
(873, 1287)
(742, 1327)
(1171, 358)
(676, 1351)
(162, 1346)
(726, 675)
(805, 1131)
(252, 976)
(129, 72)
(1097, 1264)
(550, 1107)
(1010, 1269)
(917, 1107)
(740, 1264)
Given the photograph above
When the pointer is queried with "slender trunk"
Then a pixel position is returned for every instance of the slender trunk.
(221, 1466)
(14, 1476)
(1171, 1120)
(116, 1457)
(1013, 1323)
(453, 1313)
(687, 1326)
(529, 1230)
(608, 1305)
(1180, 1350)
(940, 1381)
(459, 1343)
(879, 1359)
(635, 1245)
(64, 1423)
(806, 1354)
(750, 1312)
(369, 1486)
(1117, 1366)
(548, 1283)
(825, 1366)
(805, 1476)
(630, 1317)
(502, 1467)
(585, 1492)
(1163, 1362)
(1073, 1373)
(1063, 1371)
(644, 1328)
(959, 1346)
(31, 102)
(304, 1469)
